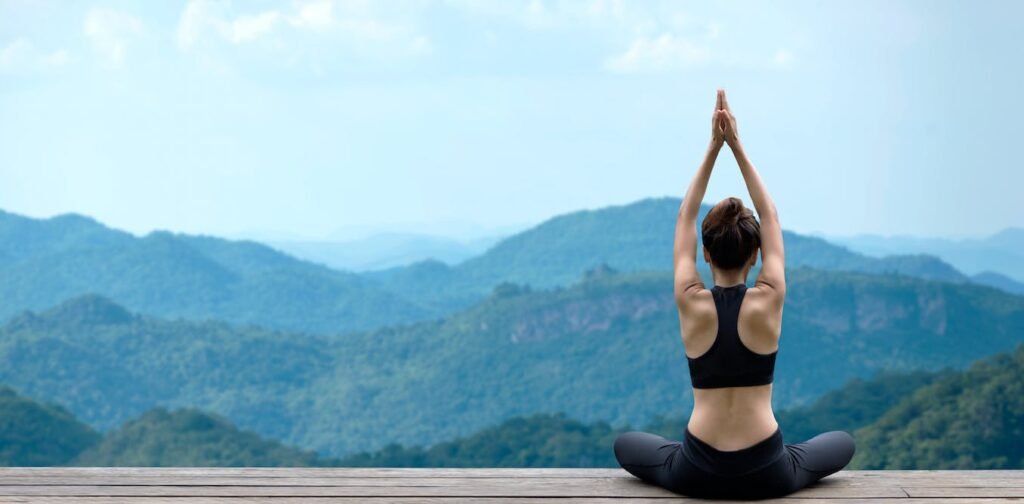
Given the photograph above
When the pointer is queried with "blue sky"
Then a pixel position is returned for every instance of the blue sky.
(459, 117)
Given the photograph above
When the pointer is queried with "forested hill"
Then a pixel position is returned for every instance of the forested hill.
(38, 434)
(605, 349)
(969, 419)
(553, 440)
(188, 437)
(633, 237)
(45, 261)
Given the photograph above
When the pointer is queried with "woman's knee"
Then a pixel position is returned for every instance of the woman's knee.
(825, 453)
(642, 448)
(626, 445)
(648, 457)
(844, 445)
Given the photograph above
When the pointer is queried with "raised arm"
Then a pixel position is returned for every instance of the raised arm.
(772, 276)
(685, 250)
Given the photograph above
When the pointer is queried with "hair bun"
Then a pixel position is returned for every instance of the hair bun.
(732, 210)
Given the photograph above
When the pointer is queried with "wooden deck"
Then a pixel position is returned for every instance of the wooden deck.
(379, 485)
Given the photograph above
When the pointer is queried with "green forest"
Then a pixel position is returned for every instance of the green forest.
(606, 349)
(947, 419)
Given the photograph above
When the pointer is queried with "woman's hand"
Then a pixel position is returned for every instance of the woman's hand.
(727, 121)
(717, 123)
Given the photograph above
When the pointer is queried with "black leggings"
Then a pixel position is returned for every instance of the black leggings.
(769, 468)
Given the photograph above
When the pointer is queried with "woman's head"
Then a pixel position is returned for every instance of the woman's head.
(731, 235)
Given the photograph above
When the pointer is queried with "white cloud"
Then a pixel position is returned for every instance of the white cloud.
(246, 28)
(193, 21)
(356, 19)
(537, 14)
(663, 53)
(15, 53)
(614, 9)
(55, 59)
(21, 55)
(549, 14)
(200, 18)
(317, 15)
(652, 36)
(641, 36)
(111, 32)
(355, 22)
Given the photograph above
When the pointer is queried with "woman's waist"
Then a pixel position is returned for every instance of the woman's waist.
(733, 412)
(733, 430)
(732, 420)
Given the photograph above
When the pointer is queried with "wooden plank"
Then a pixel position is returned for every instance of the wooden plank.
(522, 488)
(466, 500)
(96, 485)
(137, 481)
(279, 481)
(846, 479)
(343, 477)
(981, 491)
(315, 500)
(353, 472)
(190, 480)
(938, 477)
(941, 477)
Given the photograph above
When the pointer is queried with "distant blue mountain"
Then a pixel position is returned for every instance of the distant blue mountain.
(385, 250)
(1002, 252)
(633, 237)
(48, 260)
(44, 261)
(999, 281)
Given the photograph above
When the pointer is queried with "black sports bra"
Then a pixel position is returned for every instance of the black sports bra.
(729, 363)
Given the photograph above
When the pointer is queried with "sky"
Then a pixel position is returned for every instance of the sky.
(333, 118)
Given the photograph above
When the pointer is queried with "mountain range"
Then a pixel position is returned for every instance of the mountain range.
(383, 250)
(630, 238)
(606, 348)
(573, 316)
(45, 261)
(1000, 254)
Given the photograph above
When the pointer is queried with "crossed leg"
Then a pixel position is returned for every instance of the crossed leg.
(820, 456)
(648, 456)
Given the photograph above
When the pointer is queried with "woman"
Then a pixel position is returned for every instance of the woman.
(732, 446)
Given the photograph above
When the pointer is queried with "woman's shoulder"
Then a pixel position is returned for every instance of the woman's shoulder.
(697, 310)
(761, 311)
(763, 298)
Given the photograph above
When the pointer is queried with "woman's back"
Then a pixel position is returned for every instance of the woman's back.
(731, 357)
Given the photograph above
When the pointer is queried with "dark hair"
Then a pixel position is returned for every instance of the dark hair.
(730, 233)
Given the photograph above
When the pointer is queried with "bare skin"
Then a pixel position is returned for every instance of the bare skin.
(730, 418)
